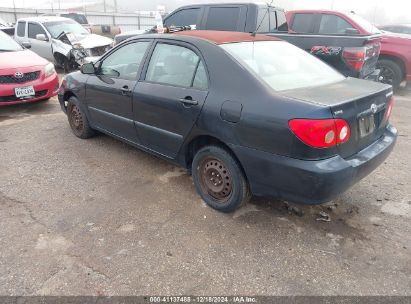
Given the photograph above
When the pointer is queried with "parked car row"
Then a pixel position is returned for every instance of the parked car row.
(245, 113)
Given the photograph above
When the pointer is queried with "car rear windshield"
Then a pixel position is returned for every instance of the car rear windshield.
(68, 26)
(7, 44)
(282, 65)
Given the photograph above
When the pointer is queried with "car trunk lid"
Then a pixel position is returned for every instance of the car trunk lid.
(362, 104)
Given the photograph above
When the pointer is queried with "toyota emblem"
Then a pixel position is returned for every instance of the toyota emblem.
(18, 75)
(374, 108)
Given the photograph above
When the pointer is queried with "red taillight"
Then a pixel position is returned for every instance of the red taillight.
(389, 109)
(320, 133)
(355, 57)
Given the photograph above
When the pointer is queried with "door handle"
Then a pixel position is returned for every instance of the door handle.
(188, 101)
(125, 90)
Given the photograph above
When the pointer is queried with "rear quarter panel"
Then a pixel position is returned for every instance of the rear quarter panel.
(265, 114)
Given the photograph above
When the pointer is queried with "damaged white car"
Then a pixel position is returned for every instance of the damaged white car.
(61, 40)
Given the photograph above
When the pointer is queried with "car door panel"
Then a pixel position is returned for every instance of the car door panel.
(109, 92)
(109, 108)
(41, 48)
(169, 96)
(162, 119)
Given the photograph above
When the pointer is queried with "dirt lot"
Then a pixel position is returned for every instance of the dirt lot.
(98, 217)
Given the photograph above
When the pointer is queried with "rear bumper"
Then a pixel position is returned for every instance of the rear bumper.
(311, 182)
(44, 88)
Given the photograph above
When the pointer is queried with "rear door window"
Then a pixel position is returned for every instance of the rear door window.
(303, 23)
(21, 28)
(177, 66)
(223, 18)
(35, 29)
(270, 20)
(332, 24)
(183, 18)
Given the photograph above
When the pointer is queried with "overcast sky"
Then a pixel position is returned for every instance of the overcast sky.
(376, 11)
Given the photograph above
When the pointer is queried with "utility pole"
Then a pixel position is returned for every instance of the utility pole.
(115, 6)
(104, 5)
(14, 10)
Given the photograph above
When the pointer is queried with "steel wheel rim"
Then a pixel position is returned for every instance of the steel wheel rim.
(215, 179)
(387, 75)
(76, 118)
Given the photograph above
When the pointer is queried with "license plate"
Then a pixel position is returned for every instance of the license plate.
(367, 125)
(24, 92)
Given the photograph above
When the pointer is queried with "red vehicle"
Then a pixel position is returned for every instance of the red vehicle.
(24, 76)
(395, 53)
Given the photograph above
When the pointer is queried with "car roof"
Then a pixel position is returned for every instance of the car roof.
(221, 37)
(255, 4)
(320, 11)
(42, 19)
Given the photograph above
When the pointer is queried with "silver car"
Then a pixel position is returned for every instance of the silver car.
(61, 40)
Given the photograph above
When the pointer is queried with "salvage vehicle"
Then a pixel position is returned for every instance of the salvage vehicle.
(24, 76)
(352, 54)
(246, 114)
(61, 40)
(394, 61)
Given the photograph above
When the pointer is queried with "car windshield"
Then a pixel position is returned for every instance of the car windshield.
(367, 26)
(7, 44)
(281, 65)
(69, 26)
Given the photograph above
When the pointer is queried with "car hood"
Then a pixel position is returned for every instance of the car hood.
(20, 59)
(90, 41)
(396, 35)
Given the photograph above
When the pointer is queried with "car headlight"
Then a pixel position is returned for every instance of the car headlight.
(49, 69)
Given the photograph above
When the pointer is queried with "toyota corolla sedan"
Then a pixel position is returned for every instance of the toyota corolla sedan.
(24, 76)
(245, 114)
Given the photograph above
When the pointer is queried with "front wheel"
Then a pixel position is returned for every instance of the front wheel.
(219, 180)
(78, 120)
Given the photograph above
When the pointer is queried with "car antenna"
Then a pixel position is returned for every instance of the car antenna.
(262, 19)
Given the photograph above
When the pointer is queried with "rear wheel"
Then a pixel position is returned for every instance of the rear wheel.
(391, 72)
(78, 120)
(219, 179)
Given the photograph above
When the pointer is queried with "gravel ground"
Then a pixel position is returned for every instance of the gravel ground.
(98, 217)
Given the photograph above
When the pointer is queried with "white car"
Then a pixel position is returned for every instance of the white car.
(61, 40)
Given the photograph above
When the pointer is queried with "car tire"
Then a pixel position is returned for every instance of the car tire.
(78, 120)
(391, 72)
(219, 179)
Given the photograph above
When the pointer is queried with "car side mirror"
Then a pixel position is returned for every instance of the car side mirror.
(352, 31)
(41, 37)
(88, 68)
(26, 44)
